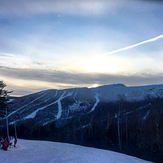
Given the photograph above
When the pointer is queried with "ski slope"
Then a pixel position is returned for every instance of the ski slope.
(31, 151)
(59, 114)
(28, 103)
(97, 101)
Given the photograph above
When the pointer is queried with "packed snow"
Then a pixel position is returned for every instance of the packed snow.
(31, 151)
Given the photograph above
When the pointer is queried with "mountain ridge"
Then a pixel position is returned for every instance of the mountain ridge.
(53, 105)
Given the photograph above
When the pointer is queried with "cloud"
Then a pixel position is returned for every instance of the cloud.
(31, 80)
(87, 8)
(44, 75)
(6, 55)
(155, 1)
(84, 7)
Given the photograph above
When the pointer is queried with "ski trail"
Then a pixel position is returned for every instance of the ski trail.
(27, 117)
(143, 107)
(56, 93)
(145, 117)
(60, 105)
(33, 114)
(51, 98)
(140, 108)
(48, 122)
(27, 104)
(97, 101)
(75, 94)
(41, 92)
(10, 100)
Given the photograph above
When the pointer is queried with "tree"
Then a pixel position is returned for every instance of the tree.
(4, 101)
(121, 99)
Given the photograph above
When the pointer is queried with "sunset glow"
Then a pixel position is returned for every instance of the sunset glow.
(63, 44)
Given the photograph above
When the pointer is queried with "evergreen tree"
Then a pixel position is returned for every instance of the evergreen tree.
(3, 99)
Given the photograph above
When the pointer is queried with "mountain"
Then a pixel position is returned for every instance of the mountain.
(44, 151)
(62, 105)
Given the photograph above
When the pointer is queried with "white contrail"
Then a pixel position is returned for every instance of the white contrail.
(132, 46)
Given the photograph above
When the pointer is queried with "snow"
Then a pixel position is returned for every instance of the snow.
(60, 106)
(27, 104)
(31, 151)
(75, 94)
(76, 107)
(83, 98)
(33, 114)
(97, 101)
(41, 92)
(59, 103)
(10, 100)
(145, 117)
(137, 93)
(51, 97)
(140, 108)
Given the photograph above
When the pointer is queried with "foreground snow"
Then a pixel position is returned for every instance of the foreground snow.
(30, 151)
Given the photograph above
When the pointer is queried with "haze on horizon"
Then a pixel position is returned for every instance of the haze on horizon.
(57, 44)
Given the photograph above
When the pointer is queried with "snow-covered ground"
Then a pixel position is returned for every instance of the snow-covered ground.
(31, 151)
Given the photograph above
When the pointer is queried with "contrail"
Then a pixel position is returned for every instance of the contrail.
(132, 46)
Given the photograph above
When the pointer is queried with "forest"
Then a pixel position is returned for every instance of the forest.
(121, 126)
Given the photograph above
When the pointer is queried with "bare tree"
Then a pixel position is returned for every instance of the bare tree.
(157, 121)
(126, 128)
(121, 99)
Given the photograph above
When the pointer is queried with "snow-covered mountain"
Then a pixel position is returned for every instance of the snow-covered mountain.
(63, 105)
(30, 151)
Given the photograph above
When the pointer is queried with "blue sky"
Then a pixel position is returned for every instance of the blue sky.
(57, 44)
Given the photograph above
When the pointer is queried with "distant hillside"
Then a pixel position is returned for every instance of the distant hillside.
(58, 105)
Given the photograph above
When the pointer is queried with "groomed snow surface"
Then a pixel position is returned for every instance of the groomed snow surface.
(31, 151)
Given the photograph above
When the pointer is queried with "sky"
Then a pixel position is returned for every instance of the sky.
(58, 44)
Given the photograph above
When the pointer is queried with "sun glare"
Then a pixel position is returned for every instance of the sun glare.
(99, 65)
(94, 86)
